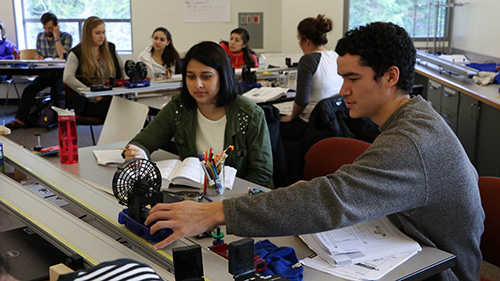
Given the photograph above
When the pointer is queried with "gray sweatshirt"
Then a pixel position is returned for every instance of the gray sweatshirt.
(416, 172)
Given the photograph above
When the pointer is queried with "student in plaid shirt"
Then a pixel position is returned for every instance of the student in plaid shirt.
(52, 43)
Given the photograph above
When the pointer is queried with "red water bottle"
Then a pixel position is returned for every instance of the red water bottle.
(68, 141)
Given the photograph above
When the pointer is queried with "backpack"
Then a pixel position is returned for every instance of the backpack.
(42, 115)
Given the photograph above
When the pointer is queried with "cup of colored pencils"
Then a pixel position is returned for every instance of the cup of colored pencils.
(213, 168)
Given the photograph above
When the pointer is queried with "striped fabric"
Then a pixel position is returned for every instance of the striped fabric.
(121, 269)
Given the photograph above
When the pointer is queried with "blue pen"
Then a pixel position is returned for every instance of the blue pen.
(206, 197)
(217, 180)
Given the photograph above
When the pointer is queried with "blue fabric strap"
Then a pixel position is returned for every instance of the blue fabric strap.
(279, 260)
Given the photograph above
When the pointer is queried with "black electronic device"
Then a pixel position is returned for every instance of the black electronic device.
(137, 184)
(100, 88)
(188, 263)
(240, 256)
(248, 76)
(242, 262)
(288, 62)
(137, 72)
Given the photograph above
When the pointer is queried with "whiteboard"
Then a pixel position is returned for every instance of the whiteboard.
(206, 11)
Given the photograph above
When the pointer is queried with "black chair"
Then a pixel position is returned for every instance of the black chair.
(82, 119)
(279, 160)
(9, 80)
(417, 90)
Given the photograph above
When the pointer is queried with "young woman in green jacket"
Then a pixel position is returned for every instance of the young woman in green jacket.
(211, 113)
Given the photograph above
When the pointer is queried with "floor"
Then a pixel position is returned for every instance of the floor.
(48, 137)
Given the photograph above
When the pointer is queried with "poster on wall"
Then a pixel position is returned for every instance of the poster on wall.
(206, 11)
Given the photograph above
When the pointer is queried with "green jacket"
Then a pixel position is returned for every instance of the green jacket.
(246, 129)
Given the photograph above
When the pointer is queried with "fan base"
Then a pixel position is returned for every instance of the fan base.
(141, 230)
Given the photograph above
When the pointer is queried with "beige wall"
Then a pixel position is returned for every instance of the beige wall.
(475, 27)
(7, 17)
(170, 14)
(293, 11)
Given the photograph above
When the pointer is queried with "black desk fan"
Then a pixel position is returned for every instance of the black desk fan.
(137, 184)
(137, 72)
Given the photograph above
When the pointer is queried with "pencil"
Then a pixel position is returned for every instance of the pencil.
(127, 149)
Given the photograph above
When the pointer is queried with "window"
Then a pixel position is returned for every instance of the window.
(422, 19)
(71, 15)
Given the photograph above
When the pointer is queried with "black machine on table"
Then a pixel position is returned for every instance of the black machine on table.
(137, 72)
(137, 184)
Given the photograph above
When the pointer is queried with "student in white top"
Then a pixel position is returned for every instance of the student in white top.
(161, 58)
(317, 76)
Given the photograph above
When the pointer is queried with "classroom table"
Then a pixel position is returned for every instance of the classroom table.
(31, 67)
(132, 93)
(50, 171)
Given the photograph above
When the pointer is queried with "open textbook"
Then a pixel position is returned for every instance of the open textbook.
(265, 94)
(190, 173)
(375, 245)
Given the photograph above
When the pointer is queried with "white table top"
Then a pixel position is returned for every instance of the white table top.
(166, 85)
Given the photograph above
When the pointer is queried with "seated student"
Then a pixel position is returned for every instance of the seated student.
(317, 76)
(92, 62)
(161, 58)
(51, 43)
(7, 48)
(238, 50)
(416, 172)
(211, 113)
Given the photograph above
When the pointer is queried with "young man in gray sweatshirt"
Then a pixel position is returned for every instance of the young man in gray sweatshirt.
(416, 172)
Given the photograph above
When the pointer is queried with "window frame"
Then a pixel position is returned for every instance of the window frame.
(21, 20)
(422, 41)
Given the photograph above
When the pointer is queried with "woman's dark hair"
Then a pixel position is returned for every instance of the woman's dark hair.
(315, 29)
(247, 52)
(170, 55)
(2, 31)
(211, 54)
(48, 17)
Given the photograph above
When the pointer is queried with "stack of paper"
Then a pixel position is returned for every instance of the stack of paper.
(365, 251)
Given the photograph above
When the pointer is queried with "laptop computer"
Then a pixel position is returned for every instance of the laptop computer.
(28, 255)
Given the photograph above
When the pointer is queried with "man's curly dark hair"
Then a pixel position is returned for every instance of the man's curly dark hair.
(380, 46)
